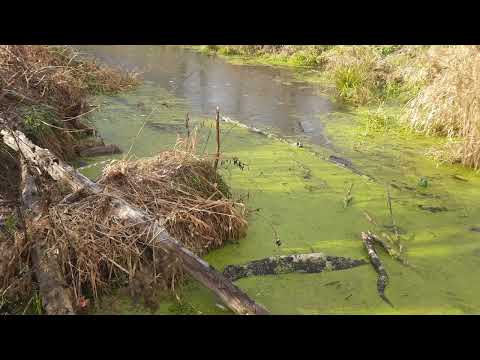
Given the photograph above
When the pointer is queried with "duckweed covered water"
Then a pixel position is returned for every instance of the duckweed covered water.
(299, 197)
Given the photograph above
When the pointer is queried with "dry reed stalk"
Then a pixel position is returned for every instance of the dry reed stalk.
(217, 124)
(450, 105)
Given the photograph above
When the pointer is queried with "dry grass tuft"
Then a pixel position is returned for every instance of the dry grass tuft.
(186, 190)
(450, 104)
(57, 76)
(43, 91)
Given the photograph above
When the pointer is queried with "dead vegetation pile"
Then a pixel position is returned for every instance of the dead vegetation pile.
(44, 89)
(184, 189)
(97, 252)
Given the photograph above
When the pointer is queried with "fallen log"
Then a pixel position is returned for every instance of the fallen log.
(302, 263)
(345, 163)
(382, 280)
(55, 296)
(232, 296)
(109, 149)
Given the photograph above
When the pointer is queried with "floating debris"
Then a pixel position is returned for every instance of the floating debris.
(423, 182)
(456, 177)
(433, 209)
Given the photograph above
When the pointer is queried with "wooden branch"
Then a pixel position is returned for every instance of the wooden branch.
(383, 279)
(217, 123)
(44, 159)
(302, 263)
(187, 125)
(55, 296)
(233, 297)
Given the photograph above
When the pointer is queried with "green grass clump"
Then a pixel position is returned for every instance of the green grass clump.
(385, 50)
(379, 120)
(304, 58)
(229, 51)
(38, 120)
(351, 84)
(11, 223)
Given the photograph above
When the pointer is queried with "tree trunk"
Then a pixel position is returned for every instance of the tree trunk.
(232, 296)
(55, 296)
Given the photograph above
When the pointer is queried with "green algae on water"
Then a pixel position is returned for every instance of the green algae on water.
(308, 213)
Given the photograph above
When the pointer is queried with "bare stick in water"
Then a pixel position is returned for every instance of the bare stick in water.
(348, 197)
(217, 121)
(187, 125)
(389, 202)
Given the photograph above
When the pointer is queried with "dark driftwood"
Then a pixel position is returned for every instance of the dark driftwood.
(56, 299)
(345, 163)
(383, 279)
(233, 297)
(302, 263)
(101, 150)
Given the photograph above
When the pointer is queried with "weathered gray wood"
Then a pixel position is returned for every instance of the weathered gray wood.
(232, 296)
(55, 296)
(303, 263)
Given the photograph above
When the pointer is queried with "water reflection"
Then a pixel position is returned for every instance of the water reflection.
(255, 95)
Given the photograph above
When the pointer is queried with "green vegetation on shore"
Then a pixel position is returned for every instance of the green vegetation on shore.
(436, 87)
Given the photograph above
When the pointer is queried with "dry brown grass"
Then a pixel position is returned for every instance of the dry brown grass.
(15, 278)
(186, 190)
(98, 253)
(450, 104)
(51, 83)
(57, 76)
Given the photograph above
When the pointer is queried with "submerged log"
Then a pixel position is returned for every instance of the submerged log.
(232, 296)
(109, 149)
(302, 263)
(55, 296)
(383, 279)
(345, 163)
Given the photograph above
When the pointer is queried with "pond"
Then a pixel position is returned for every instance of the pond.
(301, 195)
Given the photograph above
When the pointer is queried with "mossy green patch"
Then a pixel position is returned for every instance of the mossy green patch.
(307, 212)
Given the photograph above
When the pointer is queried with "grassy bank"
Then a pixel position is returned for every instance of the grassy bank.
(361, 74)
(436, 87)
